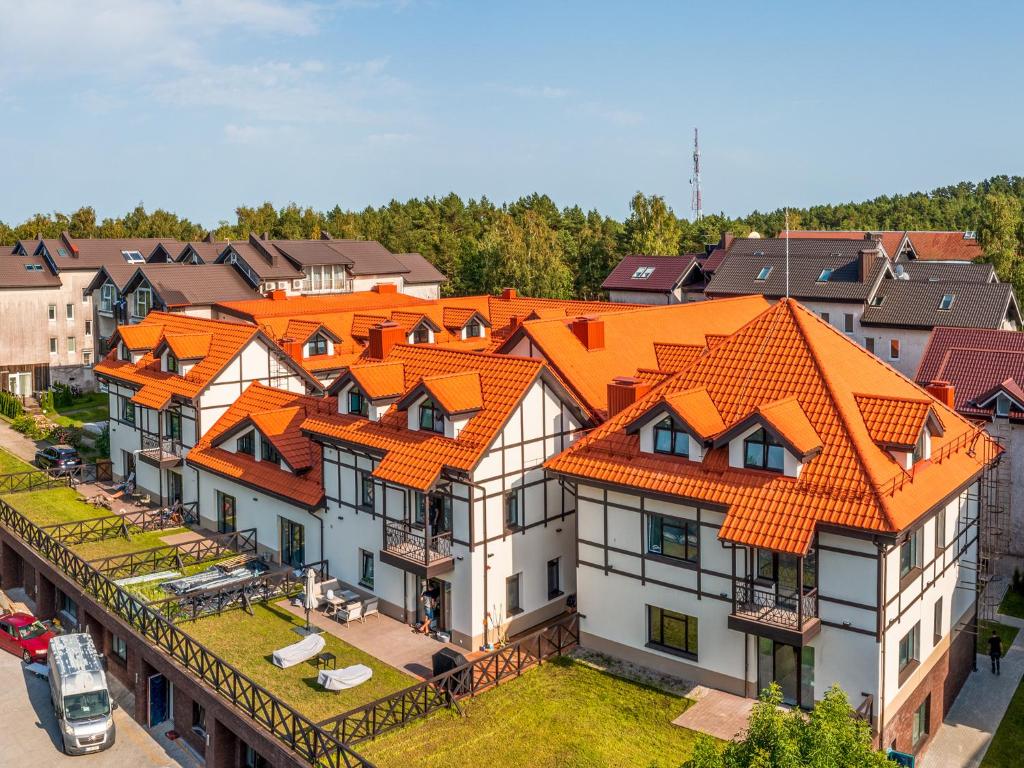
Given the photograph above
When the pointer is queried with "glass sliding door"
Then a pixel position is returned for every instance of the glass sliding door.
(225, 513)
(790, 667)
(293, 543)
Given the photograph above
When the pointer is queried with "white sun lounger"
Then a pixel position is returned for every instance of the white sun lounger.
(296, 653)
(340, 679)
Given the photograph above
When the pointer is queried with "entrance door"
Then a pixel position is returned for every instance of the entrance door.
(128, 464)
(791, 667)
(159, 699)
(175, 489)
(20, 383)
(225, 513)
(293, 543)
(440, 592)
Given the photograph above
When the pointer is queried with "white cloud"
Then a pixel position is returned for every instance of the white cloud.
(541, 92)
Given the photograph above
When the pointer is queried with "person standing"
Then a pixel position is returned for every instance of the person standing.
(995, 651)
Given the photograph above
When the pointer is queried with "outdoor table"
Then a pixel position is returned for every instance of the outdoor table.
(348, 596)
(325, 658)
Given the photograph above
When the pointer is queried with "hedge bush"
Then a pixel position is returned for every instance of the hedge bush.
(10, 405)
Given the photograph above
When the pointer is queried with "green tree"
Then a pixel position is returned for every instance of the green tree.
(652, 228)
(1001, 234)
(827, 737)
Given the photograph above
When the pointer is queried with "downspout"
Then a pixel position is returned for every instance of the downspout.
(881, 638)
(471, 485)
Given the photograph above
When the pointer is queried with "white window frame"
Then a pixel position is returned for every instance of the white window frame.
(51, 312)
(139, 293)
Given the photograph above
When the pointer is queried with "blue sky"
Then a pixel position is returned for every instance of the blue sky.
(200, 105)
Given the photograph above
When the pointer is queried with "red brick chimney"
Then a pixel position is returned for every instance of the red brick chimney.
(590, 331)
(509, 293)
(278, 294)
(623, 391)
(383, 337)
(383, 288)
(293, 348)
(942, 391)
(865, 263)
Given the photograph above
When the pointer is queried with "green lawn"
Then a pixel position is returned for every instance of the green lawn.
(91, 407)
(1013, 604)
(1006, 634)
(94, 550)
(247, 643)
(561, 715)
(1008, 744)
(51, 506)
(10, 463)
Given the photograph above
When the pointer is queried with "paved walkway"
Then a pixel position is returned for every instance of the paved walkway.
(723, 715)
(968, 728)
(17, 443)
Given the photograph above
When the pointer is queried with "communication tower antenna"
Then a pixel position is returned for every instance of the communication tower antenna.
(787, 253)
(696, 202)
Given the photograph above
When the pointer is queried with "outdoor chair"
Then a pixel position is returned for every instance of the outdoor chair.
(349, 613)
(370, 609)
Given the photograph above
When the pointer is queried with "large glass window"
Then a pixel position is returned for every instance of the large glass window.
(143, 302)
(268, 452)
(172, 424)
(674, 631)
(293, 542)
(366, 568)
(127, 410)
(512, 518)
(910, 554)
(107, 293)
(668, 438)
(762, 451)
(246, 444)
(365, 490)
(673, 537)
(910, 647)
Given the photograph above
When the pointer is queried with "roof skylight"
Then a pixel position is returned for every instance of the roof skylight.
(947, 301)
(642, 273)
(133, 257)
(763, 274)
(825, 275)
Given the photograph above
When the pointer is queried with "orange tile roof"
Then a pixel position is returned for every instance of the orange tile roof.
(788, 352)
(697, 410)
(379, 381)
(361, 325)
(788, 419)
(144, 336)
(153, 396)
(278, 415)
(227, 339)
(892, 421)
(455, 393)
(256, 310)
(189, 346)
(415, 458)
(455, 318)
(677, 357)
(632, 340)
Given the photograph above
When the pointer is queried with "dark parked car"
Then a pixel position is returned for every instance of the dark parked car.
(61, 458)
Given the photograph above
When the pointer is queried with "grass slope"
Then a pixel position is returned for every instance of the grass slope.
(1013, 604)
(54, 505)
(1008, 744)
(246, 642)
(91, 407)
(10, 463)
(561, 715)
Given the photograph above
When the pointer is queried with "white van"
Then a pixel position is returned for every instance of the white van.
(81, 700)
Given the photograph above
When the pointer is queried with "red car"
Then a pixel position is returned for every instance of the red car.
(24, 635)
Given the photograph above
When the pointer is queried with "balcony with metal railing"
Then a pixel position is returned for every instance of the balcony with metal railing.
(414, 549)
(769, 610)
(162, 452)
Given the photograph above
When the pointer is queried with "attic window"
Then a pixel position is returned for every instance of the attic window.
(947, 301)
(970, 234)
(357, 403)
(1002, 406)
(133, 257)
(245, 444)
(762, 451)
(126, 354)
(421, 334)
(62, 252)
(316, 346)
(474, 329)
(431, 417)
(670, 439)
(876, 300)
(268, 452)
(642, 273)
(172, 363)
(825, 275)
(34, 267)
(763, 274)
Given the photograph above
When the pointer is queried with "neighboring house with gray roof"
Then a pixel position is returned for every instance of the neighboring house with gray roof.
(641, 279)
(851, 283)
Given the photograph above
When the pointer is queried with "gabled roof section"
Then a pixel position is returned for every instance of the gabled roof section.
(456, 318)
(227, 340)
(303, 330)
(974, 360)
(378, 381)
(415, 458)
(1008, 387)
(278, 415)
(186, 285)
(188, 346)
(454, 393)
(789, 353)
(649, 274)
(918, 304)
(418, 270)
(27, 272)
(897, 422)
(786, 420)
(693, 408)
(410, 320)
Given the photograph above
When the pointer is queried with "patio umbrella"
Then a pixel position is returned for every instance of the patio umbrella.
(308, 601)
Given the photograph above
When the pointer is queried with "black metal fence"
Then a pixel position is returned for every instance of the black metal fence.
(416, 701)
(44, 479)
(309, 741)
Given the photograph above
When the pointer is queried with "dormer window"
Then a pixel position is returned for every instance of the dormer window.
(268, 452)
(762, 451)
(431, 417)
(172, 363)
(474, 329)
(358, 405)
(143, 302)
(126, 354)
(245, 444)
(421, 335)
(107, 297)
(670, 439)
(763, 274)
(1002, 406)
(922, 448)
(316, 345)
